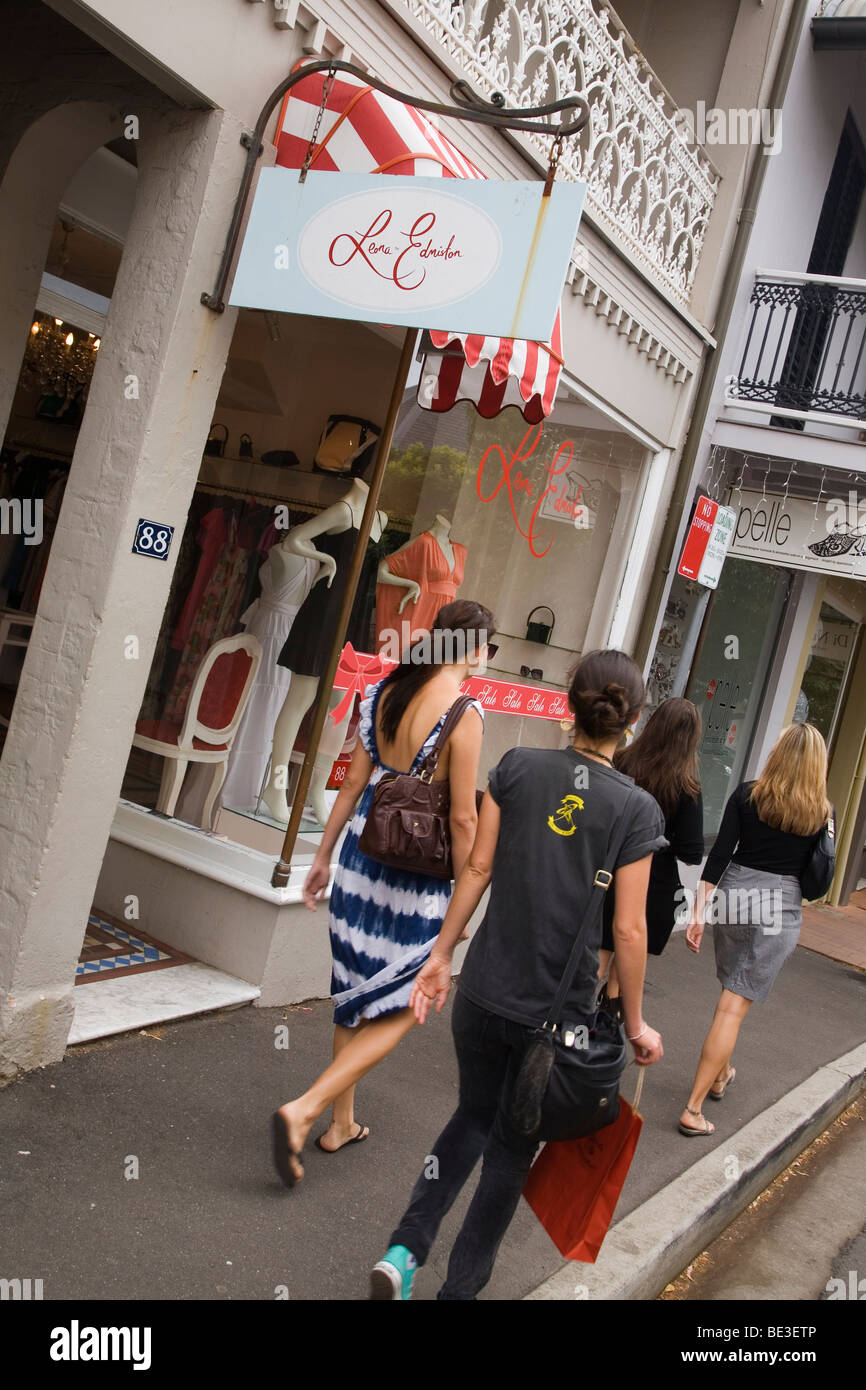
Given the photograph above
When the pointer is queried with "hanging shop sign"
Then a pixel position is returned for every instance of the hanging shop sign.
(469, 255)
(707, 542)
(826, 536)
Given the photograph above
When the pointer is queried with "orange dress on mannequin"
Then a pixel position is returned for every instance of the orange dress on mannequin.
(424, 561)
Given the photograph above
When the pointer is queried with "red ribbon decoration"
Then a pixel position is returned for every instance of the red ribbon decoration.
(357, 670)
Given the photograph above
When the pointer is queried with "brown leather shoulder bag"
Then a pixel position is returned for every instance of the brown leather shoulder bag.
(408, 826)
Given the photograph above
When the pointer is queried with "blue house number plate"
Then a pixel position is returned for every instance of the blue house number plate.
(152, 538)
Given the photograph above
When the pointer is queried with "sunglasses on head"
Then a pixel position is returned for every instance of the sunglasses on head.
(534, 671)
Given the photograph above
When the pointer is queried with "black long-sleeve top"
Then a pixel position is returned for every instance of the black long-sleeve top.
(684, 832)
(747, 840)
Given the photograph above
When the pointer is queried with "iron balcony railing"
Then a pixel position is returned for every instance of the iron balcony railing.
(804, 358)
(650, 186)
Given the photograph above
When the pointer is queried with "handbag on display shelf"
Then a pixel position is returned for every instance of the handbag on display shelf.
(537, 631)
(817, 876)
(245, 447)
(407, 825)
(574, 1185)
(346, 447)
(215, 446)
(568, 1082)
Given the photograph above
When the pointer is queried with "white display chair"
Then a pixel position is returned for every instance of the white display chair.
(220, 690)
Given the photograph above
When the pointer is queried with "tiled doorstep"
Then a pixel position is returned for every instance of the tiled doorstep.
(115, 1006)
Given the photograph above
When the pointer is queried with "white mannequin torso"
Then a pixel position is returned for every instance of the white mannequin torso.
(284, 564)
(441, 533)
(348, 511)
(356, 500)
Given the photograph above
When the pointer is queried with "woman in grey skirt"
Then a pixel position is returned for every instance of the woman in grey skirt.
(752, 883)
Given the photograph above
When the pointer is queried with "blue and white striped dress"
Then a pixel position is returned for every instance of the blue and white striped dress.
(383, 921)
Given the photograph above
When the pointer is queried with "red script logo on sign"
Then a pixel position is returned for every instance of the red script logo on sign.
(376, 253)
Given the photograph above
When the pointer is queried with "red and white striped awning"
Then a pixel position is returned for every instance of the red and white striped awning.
(365, 131)
(492, 372)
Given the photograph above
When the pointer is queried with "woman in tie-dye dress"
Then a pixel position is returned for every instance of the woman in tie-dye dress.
(384, 921)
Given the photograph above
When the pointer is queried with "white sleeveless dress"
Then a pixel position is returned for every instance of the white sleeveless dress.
(270, 619)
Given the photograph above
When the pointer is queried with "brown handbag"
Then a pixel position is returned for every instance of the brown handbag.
(407, 826)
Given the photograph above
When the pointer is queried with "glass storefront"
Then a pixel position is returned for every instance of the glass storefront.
(533, 521)
(822, 691)
(729, 675)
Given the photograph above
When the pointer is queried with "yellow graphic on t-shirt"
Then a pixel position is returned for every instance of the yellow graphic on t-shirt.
(562, 822)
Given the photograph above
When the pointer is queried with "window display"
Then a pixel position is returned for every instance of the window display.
(530, 521)
(329, 539)
(286, 578)
(430, 570)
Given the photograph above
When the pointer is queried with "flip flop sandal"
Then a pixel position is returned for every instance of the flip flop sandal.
(359, 1138)
(282, 1150)
(693, 1133)
(717, 1095)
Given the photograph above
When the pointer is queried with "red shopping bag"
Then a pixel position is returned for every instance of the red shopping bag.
(574, 1184)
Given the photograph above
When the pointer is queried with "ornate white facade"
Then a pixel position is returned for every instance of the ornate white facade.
(647, 186)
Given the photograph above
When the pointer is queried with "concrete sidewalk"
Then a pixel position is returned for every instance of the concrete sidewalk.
(187, 1106)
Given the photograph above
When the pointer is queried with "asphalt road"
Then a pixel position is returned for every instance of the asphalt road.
(187, 1107)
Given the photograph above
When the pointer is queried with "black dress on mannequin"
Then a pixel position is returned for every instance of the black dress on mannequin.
(311, 636)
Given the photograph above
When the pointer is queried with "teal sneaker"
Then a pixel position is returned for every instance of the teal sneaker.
(391, 1279)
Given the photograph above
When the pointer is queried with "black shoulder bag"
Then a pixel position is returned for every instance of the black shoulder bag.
(568, 1083)
(818, 874)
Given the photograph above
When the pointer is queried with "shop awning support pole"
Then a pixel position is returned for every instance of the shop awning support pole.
(280, 876)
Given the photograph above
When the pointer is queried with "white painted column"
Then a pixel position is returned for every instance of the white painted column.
(138, 455)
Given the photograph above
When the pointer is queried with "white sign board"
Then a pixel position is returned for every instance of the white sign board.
(465, 255)
(707, 542)
(710, 571)
(826, 537)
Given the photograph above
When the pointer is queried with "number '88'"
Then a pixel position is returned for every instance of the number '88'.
(153, 538)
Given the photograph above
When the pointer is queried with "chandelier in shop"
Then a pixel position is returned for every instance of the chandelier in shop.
(61, 358)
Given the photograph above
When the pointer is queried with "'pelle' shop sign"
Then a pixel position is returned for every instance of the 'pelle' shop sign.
(826, 537)
(465, 255)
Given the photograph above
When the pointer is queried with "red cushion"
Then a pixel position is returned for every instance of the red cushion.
(223, 689)
(164, 731)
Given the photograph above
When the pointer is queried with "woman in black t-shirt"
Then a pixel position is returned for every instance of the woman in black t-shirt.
(544, 829)
(764, 844)
(663, 759)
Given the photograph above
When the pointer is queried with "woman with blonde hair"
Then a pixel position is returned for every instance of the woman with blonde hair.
(768, 832)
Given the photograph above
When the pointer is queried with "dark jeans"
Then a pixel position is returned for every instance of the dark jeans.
(489, 1052)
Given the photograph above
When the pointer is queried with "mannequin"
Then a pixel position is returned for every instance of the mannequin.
(430, 569)
(286, 578)
(308, 645)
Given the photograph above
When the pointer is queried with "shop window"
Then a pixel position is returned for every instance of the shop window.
(532, 521)
(676, 643)
(828, 665)
(540, 518)
(728, 679)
